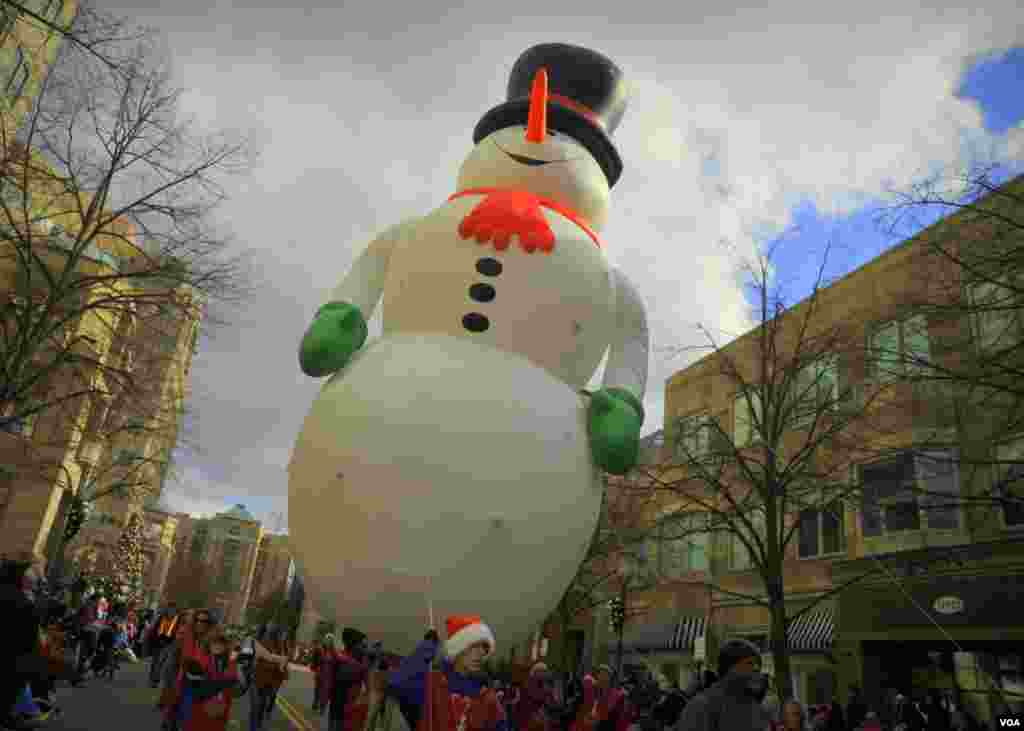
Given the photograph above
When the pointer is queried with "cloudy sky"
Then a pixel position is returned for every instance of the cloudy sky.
(744, 124)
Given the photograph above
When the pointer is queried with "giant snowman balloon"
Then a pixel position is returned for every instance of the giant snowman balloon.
(454, 464)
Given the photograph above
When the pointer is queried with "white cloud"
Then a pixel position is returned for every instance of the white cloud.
(737, 114)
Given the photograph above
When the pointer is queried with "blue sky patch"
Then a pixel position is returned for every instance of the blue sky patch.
(996, 83)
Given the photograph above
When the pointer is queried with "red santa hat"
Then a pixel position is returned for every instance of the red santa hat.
(464, 631)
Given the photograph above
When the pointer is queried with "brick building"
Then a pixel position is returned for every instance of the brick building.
(932, 602)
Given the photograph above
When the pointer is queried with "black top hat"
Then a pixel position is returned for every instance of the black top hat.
(586, 99)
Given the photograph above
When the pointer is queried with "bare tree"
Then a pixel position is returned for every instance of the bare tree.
(975, 300)
(618, 540)
(748, 474)
(106, 212)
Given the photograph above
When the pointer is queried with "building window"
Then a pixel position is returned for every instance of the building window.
(19, 75)
(747, 426)
(997, 320)
(911, 492)
(1010, 482)
(815, 391)
(822, 530)
(899, 348)
(231, 565)
(740, 558)
(693, 436)
(683, 545)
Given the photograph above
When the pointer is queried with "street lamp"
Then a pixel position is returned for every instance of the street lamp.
(618, 607)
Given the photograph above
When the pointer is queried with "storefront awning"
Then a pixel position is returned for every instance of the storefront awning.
(812, 632)
(672, 636)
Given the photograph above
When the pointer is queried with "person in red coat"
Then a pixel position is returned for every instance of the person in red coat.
(455, 697)
(213, 681)
(605, 707)
(529, 709)
(347, 676)
(326, 656)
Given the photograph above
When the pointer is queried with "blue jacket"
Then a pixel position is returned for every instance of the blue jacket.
(407, 683)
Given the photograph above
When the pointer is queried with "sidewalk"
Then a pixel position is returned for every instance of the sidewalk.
(128, 702)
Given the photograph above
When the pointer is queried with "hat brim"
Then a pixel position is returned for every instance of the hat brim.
(561, 119)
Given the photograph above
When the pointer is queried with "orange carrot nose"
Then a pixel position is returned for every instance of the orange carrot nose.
(537, 124)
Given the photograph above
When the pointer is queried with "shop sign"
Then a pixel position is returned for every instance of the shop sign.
(948, 605)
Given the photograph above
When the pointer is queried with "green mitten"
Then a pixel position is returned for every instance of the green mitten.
(614, 420)
(336, 333)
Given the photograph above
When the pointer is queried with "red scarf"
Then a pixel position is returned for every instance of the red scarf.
(506, 213)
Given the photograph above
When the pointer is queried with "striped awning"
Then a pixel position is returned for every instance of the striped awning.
(812, 632)
(676, 635)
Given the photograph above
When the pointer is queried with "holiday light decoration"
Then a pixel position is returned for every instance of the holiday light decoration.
(616, 614)
(78, 513)
(126, 575)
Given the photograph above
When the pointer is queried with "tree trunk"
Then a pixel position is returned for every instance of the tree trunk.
(779, 644)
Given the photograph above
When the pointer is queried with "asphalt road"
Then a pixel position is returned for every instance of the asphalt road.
(128, 702)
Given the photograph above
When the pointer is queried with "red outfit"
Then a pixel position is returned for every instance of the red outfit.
(600, 706)
(529, 712)
(454, 712)
(201, 718)
(189, 649)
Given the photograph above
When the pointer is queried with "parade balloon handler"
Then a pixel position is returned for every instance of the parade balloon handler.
(162, 636)
(534, 708)
(213, 686)
(453, 697)
(605, 707)
(270, 670)
(736, 700)
(325, 674)
(499, 306)
(347, 674)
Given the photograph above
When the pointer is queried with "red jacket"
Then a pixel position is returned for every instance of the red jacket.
(528, 708)
(611, 705)
(201, 718)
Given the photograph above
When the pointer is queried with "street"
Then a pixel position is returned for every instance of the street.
(129, 696)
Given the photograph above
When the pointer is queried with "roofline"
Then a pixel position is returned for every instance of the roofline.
(888, 253)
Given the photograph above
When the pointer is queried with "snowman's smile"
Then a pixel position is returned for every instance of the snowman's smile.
(524, 160)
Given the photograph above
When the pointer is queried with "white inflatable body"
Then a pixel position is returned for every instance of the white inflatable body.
(421, 479)
(446, 469)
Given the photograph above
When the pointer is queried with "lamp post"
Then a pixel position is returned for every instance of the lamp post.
(618, 610)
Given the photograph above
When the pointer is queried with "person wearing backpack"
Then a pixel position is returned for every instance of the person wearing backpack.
(736, 701)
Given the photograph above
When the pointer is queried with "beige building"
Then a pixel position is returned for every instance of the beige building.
(225, 546)
(113, 411)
